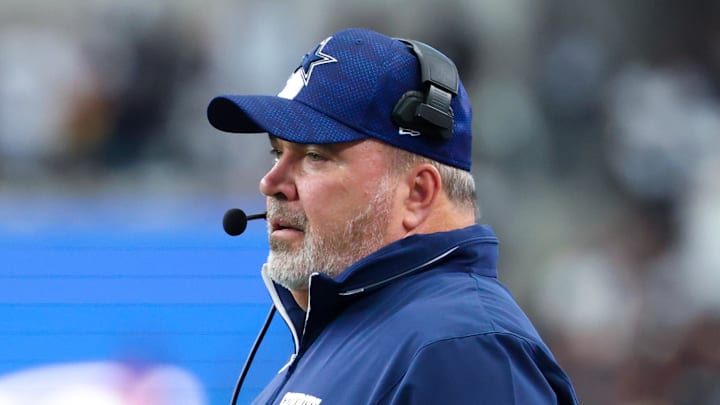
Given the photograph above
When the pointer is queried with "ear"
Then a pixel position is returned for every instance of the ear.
(424, 187)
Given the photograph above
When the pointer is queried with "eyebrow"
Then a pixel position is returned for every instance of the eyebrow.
(329, 147)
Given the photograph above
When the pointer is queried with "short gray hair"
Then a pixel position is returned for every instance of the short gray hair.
(458, 184)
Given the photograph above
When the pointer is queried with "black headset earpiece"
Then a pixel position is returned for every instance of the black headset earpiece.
(428, 110)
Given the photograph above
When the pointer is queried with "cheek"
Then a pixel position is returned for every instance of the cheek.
(328, 205)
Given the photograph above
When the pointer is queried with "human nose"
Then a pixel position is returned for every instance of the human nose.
(278, 182)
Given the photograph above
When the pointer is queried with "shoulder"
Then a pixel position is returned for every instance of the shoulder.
(498, 367)
(444, 305)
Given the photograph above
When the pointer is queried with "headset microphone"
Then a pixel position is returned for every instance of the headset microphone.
(235, 221)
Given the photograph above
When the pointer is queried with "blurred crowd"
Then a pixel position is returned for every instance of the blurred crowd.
(597, 145)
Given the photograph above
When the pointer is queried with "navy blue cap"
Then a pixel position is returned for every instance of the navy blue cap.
(345, 90)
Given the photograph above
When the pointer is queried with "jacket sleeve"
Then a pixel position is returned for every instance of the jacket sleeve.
(489, 369)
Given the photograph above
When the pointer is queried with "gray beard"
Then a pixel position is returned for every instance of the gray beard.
(332, 252)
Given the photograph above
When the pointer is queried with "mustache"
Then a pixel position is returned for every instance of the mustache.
(277, 212)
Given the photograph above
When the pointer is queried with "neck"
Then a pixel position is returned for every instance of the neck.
(445, 217)
(301, 298)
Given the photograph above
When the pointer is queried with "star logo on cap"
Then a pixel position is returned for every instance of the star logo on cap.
(311, 60)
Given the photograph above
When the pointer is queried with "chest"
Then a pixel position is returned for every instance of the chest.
(355, 360)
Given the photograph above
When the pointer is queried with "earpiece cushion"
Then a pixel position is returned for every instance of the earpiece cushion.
(404, 111)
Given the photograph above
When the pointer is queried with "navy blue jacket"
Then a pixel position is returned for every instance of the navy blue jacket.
(423, 320)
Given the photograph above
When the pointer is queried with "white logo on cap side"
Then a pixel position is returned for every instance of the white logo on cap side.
(411, 132)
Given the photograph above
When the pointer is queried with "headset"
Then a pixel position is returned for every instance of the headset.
(429, 110)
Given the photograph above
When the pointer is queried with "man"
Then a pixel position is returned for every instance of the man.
(376, 263)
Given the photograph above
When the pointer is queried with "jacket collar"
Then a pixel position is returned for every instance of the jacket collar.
(475, 245)
(417, 253)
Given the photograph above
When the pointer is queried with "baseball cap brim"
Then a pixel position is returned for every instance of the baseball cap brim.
(287, 119)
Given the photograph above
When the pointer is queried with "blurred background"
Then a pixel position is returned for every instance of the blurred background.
(597, 160)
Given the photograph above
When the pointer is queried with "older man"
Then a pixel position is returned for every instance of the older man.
(376, 263)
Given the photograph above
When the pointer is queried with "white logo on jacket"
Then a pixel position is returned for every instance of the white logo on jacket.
(296, 398)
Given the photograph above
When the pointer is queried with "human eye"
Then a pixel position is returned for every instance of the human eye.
(275, 153)
(315, 156)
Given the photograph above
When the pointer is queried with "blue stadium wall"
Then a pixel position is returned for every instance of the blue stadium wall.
(191, 298)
